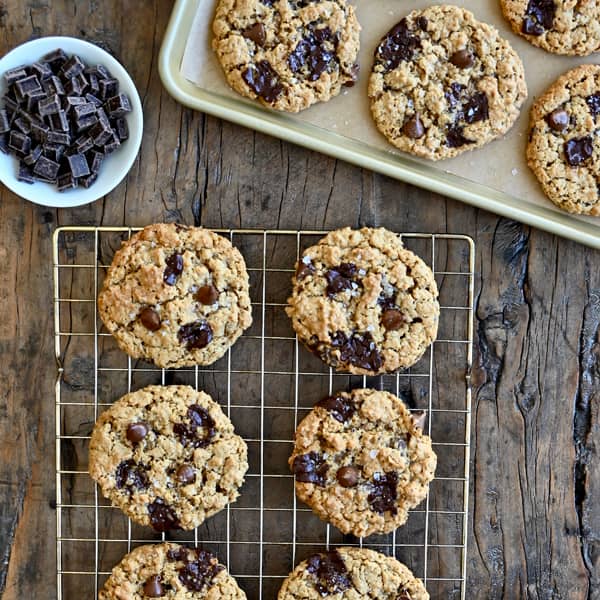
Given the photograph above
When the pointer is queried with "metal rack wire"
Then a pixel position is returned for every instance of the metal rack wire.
(266, 383)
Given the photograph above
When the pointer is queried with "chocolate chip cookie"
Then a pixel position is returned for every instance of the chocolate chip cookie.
(167, 456)
(558, 26)
(288, 54)
(352, 573)
(364, 303)
(171, 571)
(176, 296)
(564, 147)
(361, 461)
(443, 83)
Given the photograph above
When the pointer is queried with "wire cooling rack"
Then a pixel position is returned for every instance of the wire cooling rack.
(266, 383)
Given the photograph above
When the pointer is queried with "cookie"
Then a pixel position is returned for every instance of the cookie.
(564, 148)
(176, 296)
(167, 456)
(364, 303)
(558, 26)
(444, 83)
(170, 570)
(352, 573)
(361, 461)
(288, 54)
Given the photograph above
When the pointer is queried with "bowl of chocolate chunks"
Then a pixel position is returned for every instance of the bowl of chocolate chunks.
(70, 122)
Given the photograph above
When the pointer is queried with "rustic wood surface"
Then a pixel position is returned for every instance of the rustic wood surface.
(535, 493)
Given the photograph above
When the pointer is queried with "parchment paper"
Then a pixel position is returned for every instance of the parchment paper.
(500, 164)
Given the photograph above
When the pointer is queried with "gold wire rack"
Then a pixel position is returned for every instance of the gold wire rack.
(266, 383)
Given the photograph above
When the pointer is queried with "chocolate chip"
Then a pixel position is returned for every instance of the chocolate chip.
(539, 17)
(198, 574)
(186, 474)
(162, 516)
(398, 45)
(414, 128)
(348, 476)
(207, 294)
(195, 335)
(476, 108)
(130, 475)
(593, 103)
(422, 23)
(304, 268)
(180, 554)
(256, 33)
(358, 350)
(463, 59)
(393, 319)
(384, 493)
(136, 432)
(310, 468)
(150, 319)
(455, 137)
(314, 54)
(263, 80)
(419, 417)
(330, 573)
(341, 408)
(578, 150)
(173, 269)
(199, 431)
(341, 278)
(558, 120)
(153, 588)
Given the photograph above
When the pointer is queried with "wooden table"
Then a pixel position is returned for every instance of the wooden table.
(535, 508)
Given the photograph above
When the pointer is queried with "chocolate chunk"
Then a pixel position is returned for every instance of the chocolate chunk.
(383, 495)
(33, 156)
(112, 144)
(94, 86)
(19, 142)
(94, 100)
(44, 167)
(4, 143)
(136, 432)
(207, 294)
(28, 85)
(199, 431)
(33, 101)
(262, 79)
(414, 128)
(73, 87)
(422, 23)
(83, 144)
(312, 54)
(25, 174)
(122, 129)
(196, 575)
(86, 182)
(173, 269)
(69, 102)
(341, 408)
(58, 137)
(463, 59)
(72, 67)
(13, 75)
(186, 474)
(181, 554)
(55, 59)
(117, 106)
(539, 17)
(256, 33)
(310, 468)
(53, 151)
(83, 82)
(579, 150)
(39, 132)
(4, 121)
(330, 572)
(58, 121)
(455, 137)
(454, 94)
(558, 120)
(398, 45)
(348, 476)
(108, 88)
(22, 125)
(53, 86)
(150, 319)
(100, 133)
(593, 103)
(41, 70)
(81, 109)
(304, 268)
(341, 278)
(95, 160)
(195, 335)
(66, 182)
(393, 319)
(98, 71)
(130, 475)
(162, 516)
(419, 417)
(153, 588)
(358, 350)
(78, 165)
(476, 108)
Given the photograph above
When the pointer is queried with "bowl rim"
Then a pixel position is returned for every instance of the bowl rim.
(46, 194)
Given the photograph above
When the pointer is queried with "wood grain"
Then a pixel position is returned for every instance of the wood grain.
(535, 492)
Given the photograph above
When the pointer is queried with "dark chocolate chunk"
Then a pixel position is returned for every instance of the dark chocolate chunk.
(95, 160)
(310, 468)
(341, 278)
(78, 165)
(73, 87)
(199, 431)
(304, 269)
(579, 150)
(59, 121)
(112, 144)
(476, 108)
(33, 102)
(84, 123)
(4, 143)
(330, 573)
(341, 408)
(387, 297)
(150, 319)
(25, 174)
(593, 103)
(413, 127)
(453, 95)
(256, 33)
(117, 106)
(136, 432)
(33, 156)
(130, 475)
(558, 120)
(13, 75)
(39, 132)
(196, 335)
(262, 79)
(463, 59)
(53, 86)
(58, 137)
(86, 182)
(49, 106)
(122, 129)
(207, 294)
(393, 319)
(348, 476)
(315, 53)
(22, 125)
(162, 516)
(94, 85)
(28, 85)
(83, 82)
(100, 133)
(66, 182)
(173, 269)
(81, 109)
(55, 59)
(72, 67)
(186, 474)
(422, 23)
(539, 17)
(4, 121)
(198, 574)
(419, 417)
(19, 142)
(358, 350)
(53, 151)
(153, 587)
(94, 100)
(108, 88)
(398, 45)
(181, 554)
(83, 144)
(455, 137)
(41, 70)
(383, 495)
(99, 71)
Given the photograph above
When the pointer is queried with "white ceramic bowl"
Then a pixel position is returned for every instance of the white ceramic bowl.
(115, 166)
